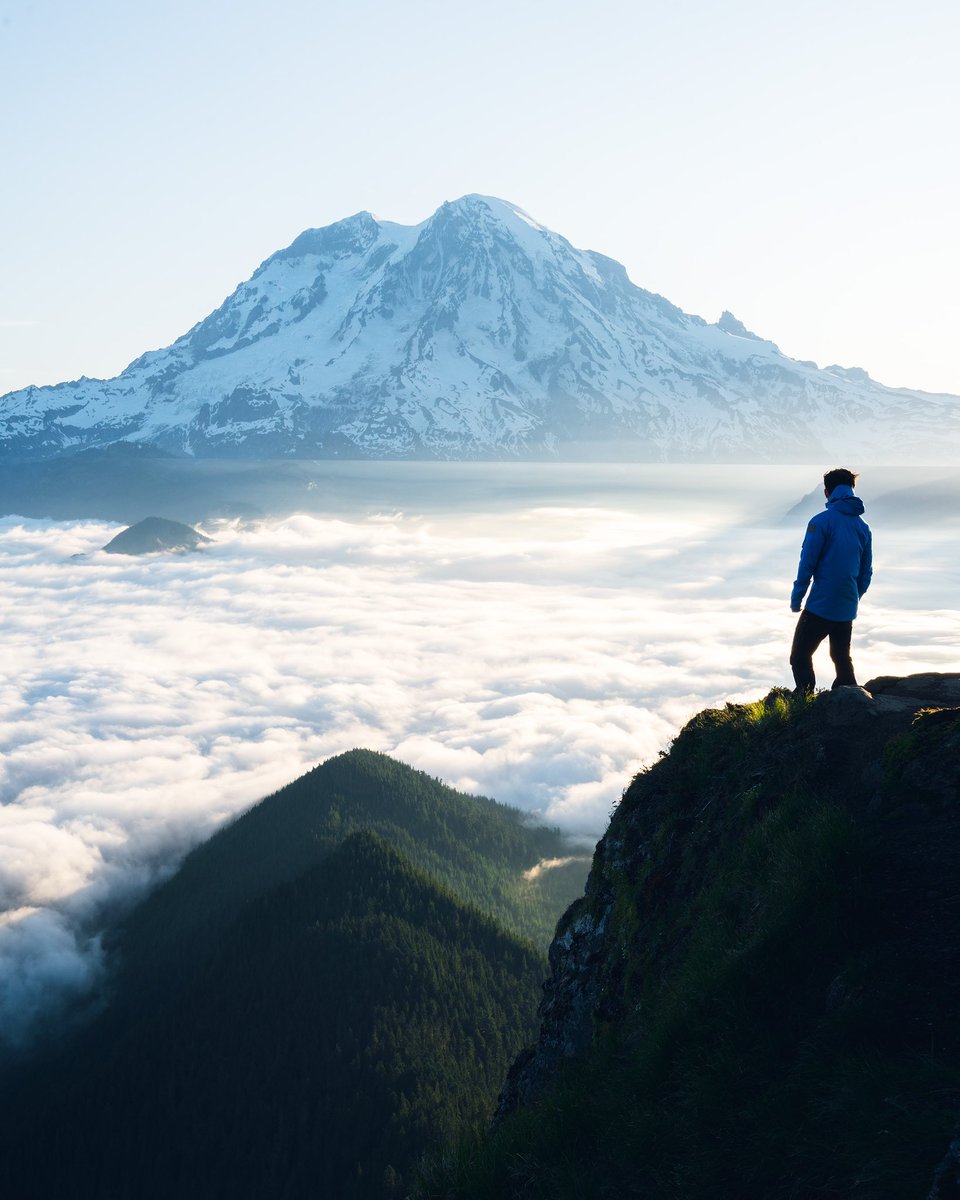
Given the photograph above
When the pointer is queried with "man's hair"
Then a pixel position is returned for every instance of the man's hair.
(839, 475)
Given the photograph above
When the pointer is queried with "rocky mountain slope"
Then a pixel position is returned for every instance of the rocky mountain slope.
(758, 995)
(476, 334)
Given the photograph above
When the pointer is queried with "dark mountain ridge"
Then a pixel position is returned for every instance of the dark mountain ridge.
(759, 994)
(476, 847)
(331, 983)
(341, 1023)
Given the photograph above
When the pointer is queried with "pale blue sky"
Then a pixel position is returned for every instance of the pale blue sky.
(794, 162)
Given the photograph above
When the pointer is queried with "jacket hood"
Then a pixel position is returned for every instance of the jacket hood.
(843, 500)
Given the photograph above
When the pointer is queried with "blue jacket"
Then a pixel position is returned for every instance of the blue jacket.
(838, 553)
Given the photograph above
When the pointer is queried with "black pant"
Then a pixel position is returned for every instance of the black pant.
(810, 632)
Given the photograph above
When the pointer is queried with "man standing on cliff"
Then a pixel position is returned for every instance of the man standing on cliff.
(838, 554)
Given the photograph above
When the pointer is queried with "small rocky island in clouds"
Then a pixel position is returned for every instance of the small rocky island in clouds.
(155, 535)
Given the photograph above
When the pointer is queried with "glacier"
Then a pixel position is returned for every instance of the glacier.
(477, 334)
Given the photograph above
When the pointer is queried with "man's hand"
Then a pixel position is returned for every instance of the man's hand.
(794, 607)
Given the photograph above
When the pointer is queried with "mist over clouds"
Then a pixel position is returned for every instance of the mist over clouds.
(538, 653)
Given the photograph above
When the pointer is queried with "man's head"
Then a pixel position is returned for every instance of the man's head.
(837, 476)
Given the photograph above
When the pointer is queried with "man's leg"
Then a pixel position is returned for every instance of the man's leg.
(840, 653)
(810, 632)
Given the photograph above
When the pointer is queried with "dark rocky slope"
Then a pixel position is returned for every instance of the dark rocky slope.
(154, 535)
(759, 994)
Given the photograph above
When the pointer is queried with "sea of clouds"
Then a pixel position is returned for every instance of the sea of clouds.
(540, 652)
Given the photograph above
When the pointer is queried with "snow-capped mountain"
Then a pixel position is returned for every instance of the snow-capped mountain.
(476, 334)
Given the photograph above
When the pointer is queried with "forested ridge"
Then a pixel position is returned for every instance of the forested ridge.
(473, 845)
(302, 1010)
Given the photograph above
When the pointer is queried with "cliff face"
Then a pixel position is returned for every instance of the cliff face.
(771, 926)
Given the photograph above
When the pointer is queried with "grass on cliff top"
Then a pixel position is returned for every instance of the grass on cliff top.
(750, 1061)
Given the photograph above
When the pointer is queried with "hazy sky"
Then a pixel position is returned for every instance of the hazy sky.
(793, 162)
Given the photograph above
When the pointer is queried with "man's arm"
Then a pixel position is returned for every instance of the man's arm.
(866, 565)
(810, 553)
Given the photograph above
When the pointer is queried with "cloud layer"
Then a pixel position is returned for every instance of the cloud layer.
(539, 654)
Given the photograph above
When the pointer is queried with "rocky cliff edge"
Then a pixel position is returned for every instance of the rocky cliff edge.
(775, 909)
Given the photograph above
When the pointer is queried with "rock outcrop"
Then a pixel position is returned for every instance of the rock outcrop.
(850, 798)
(155, 535)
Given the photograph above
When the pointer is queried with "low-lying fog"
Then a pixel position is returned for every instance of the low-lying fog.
(536, 634)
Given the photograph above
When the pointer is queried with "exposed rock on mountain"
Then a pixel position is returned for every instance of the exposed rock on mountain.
(758, 995)
(155, 535)
(729, 324)
(476, 334)
(581, 992)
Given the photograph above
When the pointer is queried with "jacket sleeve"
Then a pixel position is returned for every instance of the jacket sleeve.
(810, 553)
(866, 565)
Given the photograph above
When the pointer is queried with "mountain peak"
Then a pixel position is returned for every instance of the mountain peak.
(350, 233)
(730, 324)
(155, 535)
(503, 210)
(477, 333)
(485, 213)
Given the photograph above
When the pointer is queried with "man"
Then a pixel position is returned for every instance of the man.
(837, 552)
